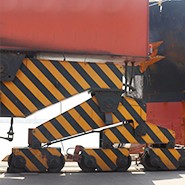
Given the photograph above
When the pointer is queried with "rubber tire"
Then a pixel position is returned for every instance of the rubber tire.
(147, 164)
(59, 168)
(123, 169)
(84, 168)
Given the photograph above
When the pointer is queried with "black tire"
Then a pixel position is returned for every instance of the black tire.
(83, 166)
(126, 166)
(55, 164)
(147, 164)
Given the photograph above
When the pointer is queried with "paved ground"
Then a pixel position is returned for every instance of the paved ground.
(71, 175)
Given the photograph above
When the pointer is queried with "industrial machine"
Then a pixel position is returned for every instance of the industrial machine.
(100, 42)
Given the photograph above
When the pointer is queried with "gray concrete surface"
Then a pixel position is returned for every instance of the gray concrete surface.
(71, 175)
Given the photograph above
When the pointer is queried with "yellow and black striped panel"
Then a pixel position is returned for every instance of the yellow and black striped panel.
(40, 83)
(169, 159)
(126, 134)
(106, 159)
(85, 117)
(36, 159)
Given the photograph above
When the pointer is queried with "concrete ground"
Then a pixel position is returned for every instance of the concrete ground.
(71, 175)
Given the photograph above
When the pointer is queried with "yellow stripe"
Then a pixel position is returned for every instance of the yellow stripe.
(127, 134)
(175, 154)
(124, 151)
(11, 106)
(31, 167)
(110, 154)
(54, 151)
(33, 89)
(40, 136)
(120, 68)
(136, 107)
(93, 75)
(79, 119)
(99, 161)
(164, 158)
(42, 78)
(74, 73)
(52, 130)
(126, 114)
(158, 133)
(111, 75)
(22, 98)
(111, 136)
(42, 159)
(92, 114)
(63, 81)
(65, 124)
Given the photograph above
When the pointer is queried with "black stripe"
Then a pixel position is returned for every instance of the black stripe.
(85, 75)
(86, 117)
(46, 133)
(170, 156)
(73, 122)
(105, 158)
(118, 153)
(115, 70)
(162, 165)
(4, 111)
(141, 104)
(140, 120)
(120, 136)
(15, 100)
(28, 93)
(68, 77)
(96, 108)
(52, 79)
(167, 134)
(119, 116)
(38, 84)
(59, 127)
(102, 75)
(34, 160)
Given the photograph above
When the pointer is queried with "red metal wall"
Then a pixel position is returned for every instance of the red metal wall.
(170, 115)
(82, 26)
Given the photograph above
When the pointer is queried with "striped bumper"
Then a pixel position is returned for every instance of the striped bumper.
(106, 159)
(33, 160)
(164, 159)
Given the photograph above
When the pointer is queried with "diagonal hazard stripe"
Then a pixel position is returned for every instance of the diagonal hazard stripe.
(55, 93)
(40, 83)
(165, 159)
(69, 89)
(21, 97)
(27, 81)
(30, 166)
(34, 160)
(11, 106)
(69, 67)
(106, 156)
(99, 161)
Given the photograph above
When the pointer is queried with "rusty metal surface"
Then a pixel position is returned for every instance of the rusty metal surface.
(84, 26)
(169, 115)
(168, 75)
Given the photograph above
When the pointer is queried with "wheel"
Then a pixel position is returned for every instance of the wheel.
(146, 161)
(16, 164)
(55, 164)
(10, 159)
(87, 164)
(123, 163)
